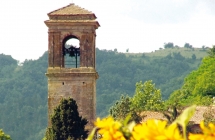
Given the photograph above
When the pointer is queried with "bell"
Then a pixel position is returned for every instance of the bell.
(72, 53)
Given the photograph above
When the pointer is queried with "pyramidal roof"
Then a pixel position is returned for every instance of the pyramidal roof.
(72, 15)
(71, 9)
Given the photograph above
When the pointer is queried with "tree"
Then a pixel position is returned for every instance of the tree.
(193, 57)
(198, 87)
(176, 46)
(7, 60)
(4, 136)
(178, 56)
(147, 97)
(201, 81)
(187, 45)
(122, 108)
(168, 45)
(211, 52)
(66, 122)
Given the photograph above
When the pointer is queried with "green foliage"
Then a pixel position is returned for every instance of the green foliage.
(23, 98)
(122, 108)
(201, 81)
(4, 136)
(177, 98)
(49, 135)
(168, 45)
(185, 52)
(7, 60)
(23, 87)
(187, 45)
(199, 86)
(66, 122)
(211, 52)
(147, 97)
(182, 98)
(193, 57)
(119, 72)
(178, 56)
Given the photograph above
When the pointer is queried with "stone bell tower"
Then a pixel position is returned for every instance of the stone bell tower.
(77, 80)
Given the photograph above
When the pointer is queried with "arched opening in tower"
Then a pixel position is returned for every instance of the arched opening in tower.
(71, 52)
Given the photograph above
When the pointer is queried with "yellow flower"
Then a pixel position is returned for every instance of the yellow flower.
(208, 133)
(171, 133)
(109, 129)
(200, 137)
(156, 130)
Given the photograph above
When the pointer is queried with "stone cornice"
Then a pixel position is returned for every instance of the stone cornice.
(63, 23)
(67, 72)
(72, 74)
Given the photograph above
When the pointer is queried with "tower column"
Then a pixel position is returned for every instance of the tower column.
(55, 51)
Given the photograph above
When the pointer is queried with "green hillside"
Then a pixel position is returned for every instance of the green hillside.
(23, 88)
(199, 85)
(185, 52)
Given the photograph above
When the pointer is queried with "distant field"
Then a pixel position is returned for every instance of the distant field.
(186, 52)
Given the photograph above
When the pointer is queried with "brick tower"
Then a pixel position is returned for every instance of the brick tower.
(77, 80)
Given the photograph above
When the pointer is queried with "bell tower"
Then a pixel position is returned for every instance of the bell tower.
(71, 69)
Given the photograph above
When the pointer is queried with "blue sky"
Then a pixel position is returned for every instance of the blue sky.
(137, 25)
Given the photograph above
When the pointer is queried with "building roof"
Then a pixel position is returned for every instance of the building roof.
(147, 115)
(199, 113)
(71, 15)
(196, 118)
(70, 9)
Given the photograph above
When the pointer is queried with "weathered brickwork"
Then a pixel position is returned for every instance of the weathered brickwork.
(78, 83)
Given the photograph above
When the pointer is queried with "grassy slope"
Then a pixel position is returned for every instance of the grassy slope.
(185, 52)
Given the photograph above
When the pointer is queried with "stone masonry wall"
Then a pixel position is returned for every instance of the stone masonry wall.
(78, 85)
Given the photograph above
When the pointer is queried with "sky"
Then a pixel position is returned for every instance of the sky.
(137, 25)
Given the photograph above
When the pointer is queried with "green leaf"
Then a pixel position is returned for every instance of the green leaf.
(186, 115)
(127, 119)
(184, 118)
(92, 134)
(131, 126)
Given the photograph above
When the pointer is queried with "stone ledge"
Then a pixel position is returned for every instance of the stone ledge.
(71, 70)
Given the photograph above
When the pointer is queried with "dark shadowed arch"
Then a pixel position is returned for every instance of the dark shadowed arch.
(71, 53)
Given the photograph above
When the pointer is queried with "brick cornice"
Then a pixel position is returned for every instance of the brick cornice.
(72, 72)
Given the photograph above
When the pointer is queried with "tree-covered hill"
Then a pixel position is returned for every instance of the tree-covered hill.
(199, 85)
(185, 52)
(23, 88)
(120, 71)
(23, 97)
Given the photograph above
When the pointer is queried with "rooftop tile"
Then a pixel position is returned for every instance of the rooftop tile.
(71, 9)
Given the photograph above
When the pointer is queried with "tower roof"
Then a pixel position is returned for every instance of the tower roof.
(72, 15)
(71, 10)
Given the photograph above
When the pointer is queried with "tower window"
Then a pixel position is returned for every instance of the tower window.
(71, 53)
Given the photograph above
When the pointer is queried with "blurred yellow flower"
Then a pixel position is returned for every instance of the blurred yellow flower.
(156, 130)
(208, 133)
(109, 129)
(150, 130)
